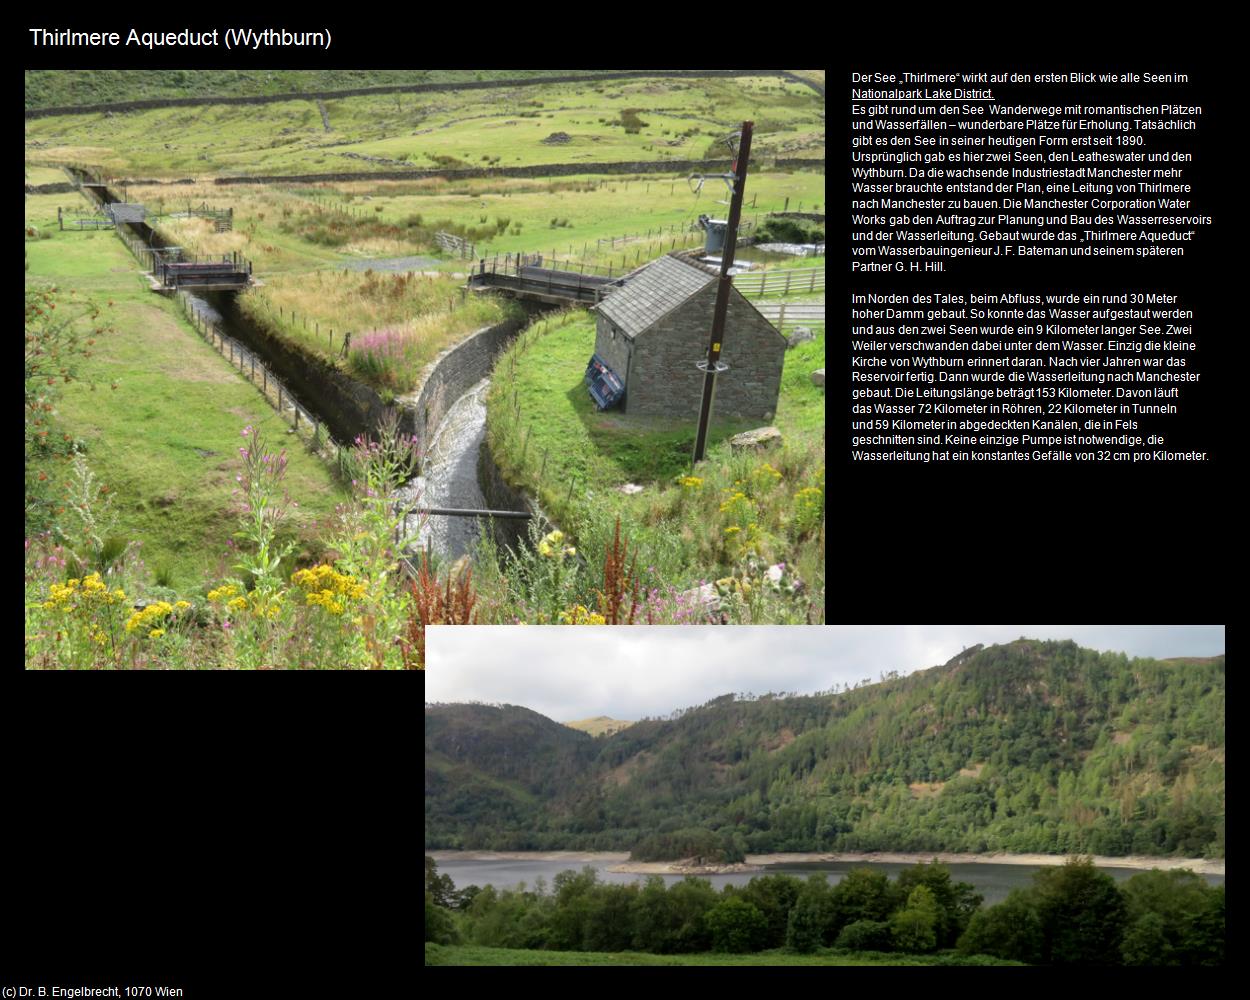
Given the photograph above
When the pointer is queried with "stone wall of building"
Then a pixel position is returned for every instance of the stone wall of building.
(663, 379)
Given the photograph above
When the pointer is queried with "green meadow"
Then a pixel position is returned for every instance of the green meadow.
(166, 440)
(672, 119)
(437, 954)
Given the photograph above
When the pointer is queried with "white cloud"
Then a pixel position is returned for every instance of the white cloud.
(628, 672)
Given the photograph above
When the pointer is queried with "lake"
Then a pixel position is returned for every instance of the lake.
(994, 882)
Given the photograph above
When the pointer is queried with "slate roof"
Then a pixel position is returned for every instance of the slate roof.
(122, 212)
(652, 293)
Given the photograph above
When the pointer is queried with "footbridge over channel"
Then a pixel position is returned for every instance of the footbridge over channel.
(527, 276)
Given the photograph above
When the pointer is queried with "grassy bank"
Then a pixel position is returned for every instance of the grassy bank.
(729, 514)
(398, 322)
(436, 954)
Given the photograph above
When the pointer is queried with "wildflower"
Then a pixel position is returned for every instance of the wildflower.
(691, 482)
(578, 615)
(182, 605)
(222, 593)
(148, 616)
(156, 633)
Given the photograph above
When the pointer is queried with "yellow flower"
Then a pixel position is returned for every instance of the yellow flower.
(238, 604)
(182, 605)
(221, 593)
(578, 615)
(156, 633)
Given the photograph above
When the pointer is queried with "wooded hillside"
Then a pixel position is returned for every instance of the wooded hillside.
(1029, 747)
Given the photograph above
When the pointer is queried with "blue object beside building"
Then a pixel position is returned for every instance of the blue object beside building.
(606, 389)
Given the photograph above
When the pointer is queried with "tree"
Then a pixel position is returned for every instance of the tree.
(865, 894)
(1083, 914)
(440, 887)
(1012, 929)
(956, 901)
(914, 928)
(572, 907)
(439, 926)
(606, 916)
(806, 925)
(737, 926)
(775, 897)
(692, 898)
(1168, 920)
(654, 918)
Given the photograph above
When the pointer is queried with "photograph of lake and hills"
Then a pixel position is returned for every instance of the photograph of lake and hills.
(1045, 795)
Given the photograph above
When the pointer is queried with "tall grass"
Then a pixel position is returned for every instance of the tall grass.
(398, 322)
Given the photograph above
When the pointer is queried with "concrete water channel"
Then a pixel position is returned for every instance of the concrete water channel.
(447, 413)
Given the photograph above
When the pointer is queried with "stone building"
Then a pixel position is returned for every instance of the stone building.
(652, 331)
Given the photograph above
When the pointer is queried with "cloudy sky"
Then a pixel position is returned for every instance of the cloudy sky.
(629, 672)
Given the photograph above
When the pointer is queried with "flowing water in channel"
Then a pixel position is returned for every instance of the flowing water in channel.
(449, 476)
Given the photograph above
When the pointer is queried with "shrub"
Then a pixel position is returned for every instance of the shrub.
(866, 935)
(1012, 929)
(736, 926)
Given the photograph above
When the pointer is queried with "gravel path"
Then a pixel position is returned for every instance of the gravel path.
(390, 264)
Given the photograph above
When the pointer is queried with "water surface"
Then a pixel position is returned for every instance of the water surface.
(994, 882)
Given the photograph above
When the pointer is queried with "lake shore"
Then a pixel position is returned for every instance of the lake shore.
(1201, 866)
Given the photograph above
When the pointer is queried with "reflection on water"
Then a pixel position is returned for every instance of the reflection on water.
(994, 882)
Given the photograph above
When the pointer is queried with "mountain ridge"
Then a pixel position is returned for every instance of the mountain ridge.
(1027, 746)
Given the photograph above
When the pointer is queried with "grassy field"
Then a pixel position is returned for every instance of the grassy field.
(473, 955)
(36, 174)
(279, 229)
(672, 119)
(166, 440)
(54, 88)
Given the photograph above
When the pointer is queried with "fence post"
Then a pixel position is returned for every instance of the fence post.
(781, 317)
(811, 286)
(787, 291)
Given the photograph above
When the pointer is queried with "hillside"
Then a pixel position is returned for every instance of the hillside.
(54, 88)
(600, 725)
(1031, 746)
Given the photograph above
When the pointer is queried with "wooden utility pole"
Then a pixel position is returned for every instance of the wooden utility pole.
(712, 364)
